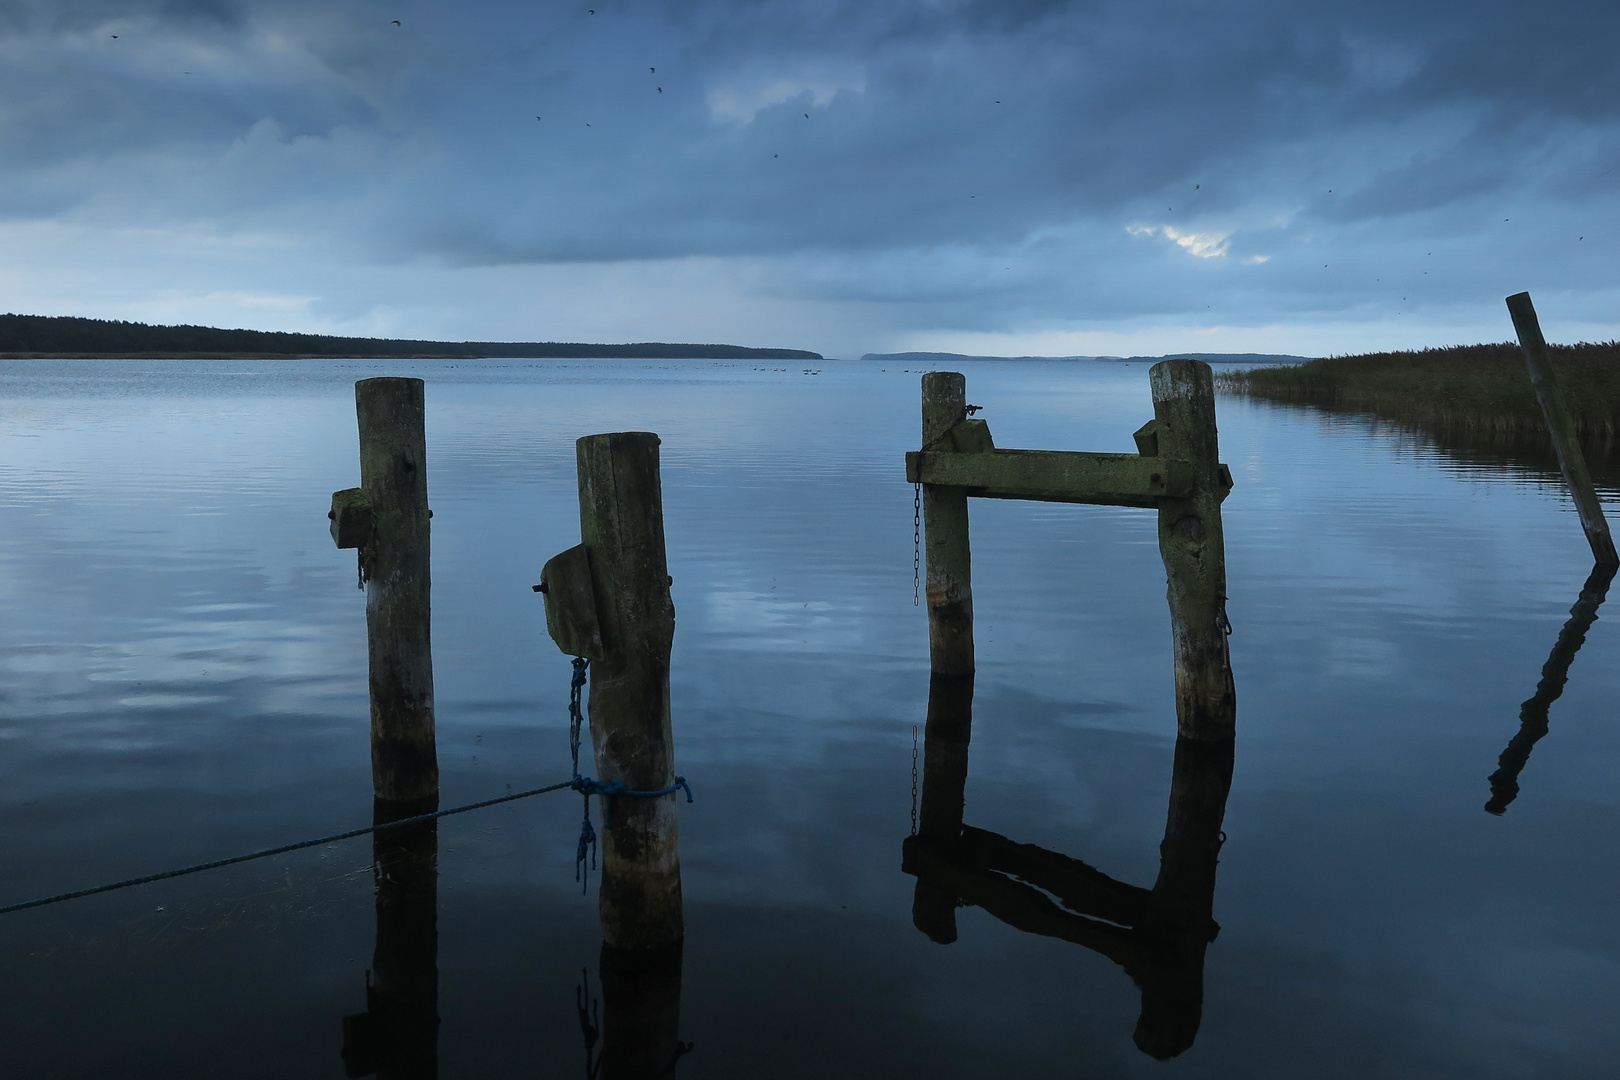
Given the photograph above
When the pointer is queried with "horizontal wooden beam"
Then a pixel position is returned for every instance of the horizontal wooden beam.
(1055, 476)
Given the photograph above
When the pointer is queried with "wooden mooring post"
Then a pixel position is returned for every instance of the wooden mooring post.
(1176, 470)
(608, 600)
(1565, 443)
(386, 519)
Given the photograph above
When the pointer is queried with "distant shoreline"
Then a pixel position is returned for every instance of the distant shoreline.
(381, 356)
(1209, 358)
(44, 337)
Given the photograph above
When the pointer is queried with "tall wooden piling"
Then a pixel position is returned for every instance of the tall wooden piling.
(1194, 550)
(945, 533)
(1565, 443)
(396, 557)
(621, 521)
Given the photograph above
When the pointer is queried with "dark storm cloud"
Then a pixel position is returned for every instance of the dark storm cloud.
(1034, 130)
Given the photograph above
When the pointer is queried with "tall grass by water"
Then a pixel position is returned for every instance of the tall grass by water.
(1476, 393)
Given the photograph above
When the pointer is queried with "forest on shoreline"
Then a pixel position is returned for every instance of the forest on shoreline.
(26, 337)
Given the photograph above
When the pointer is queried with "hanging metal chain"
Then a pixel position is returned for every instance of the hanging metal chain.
(916, 545)
(576, 723)
(913, 779)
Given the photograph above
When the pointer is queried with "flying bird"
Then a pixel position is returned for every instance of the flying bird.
(537, 118)
(1197, 186)
(115, 35)
(660, 89)
(396, 22)
(652, 69)
(807, 116)
(592, 11)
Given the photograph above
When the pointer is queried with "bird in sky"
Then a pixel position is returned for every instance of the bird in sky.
(115, 35)
(652, 70)
(807, 116)
(660, 89)
(537, 118)
(396, 22)
(591, 11)
(1197, 186)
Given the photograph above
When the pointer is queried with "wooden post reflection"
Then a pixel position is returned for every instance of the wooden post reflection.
(945, 763)
(1554, 674)
(1180, 923)
(397, 1037)
(1157, 935)
(641, 1013)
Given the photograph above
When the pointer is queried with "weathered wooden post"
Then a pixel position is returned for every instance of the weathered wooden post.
(948, 558)
(608, 600)
(386, 518)
(1193, 546)
(1565, 443)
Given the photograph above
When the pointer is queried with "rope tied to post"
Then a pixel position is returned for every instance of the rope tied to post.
(587, 786)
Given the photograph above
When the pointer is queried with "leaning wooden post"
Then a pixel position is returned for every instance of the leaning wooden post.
(386, 517)
(1194, 550)
(945, 533)
(621, 521)
(1565, 442)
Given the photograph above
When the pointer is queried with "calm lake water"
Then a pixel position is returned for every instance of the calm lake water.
(183, 677)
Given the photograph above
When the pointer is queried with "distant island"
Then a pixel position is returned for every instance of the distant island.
(1209, 358)
(35, 337)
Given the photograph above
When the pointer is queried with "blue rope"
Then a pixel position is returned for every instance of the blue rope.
(283, 849)
(587, 786)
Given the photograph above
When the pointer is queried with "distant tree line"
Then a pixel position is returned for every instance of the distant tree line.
(48, 336)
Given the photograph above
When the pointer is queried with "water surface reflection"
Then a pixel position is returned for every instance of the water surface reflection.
(1157, 935)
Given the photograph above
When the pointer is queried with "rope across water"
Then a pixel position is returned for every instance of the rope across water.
(585, 785)
(283, 849)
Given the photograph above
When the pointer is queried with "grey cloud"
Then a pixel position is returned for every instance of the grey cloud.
(420, 140)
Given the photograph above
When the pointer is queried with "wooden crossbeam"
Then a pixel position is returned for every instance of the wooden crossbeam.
(1055, 476)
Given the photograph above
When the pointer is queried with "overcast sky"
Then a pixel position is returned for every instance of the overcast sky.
(1008, 176)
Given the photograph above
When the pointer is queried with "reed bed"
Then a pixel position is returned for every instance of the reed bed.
(1477, 393)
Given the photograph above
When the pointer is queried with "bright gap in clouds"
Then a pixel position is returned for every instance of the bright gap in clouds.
(739, 99)
(1202, 245)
